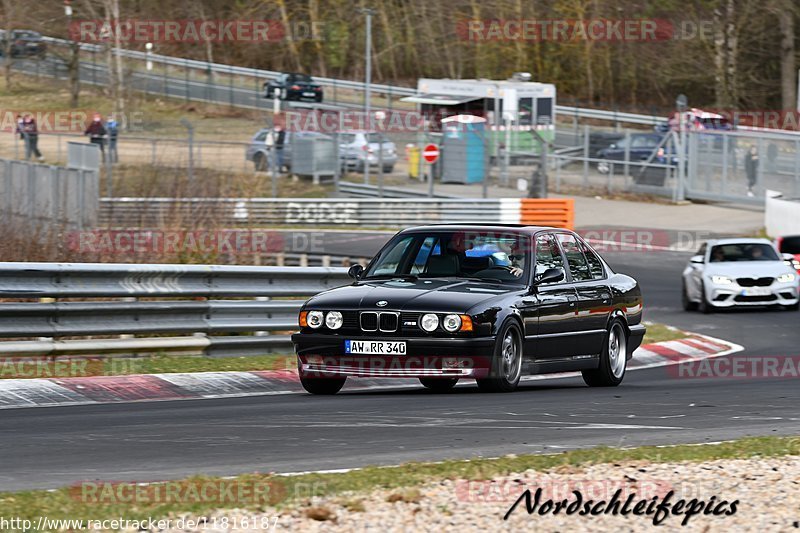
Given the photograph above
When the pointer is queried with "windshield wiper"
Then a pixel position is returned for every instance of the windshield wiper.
(406, 277)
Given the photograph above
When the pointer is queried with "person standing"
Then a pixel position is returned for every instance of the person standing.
(97, 134)
(31, 136)
(751, 168)
(113, 131)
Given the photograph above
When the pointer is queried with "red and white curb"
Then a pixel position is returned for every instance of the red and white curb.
(53, 392)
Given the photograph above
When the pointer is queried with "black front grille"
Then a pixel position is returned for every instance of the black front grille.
(349, 320)
(388, 322)
(754, 282)
(369, 321)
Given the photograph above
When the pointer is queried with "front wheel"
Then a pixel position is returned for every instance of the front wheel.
(613, 358)
(705, 306)
(506, 366)
(321, 385)
(260, 162)
(688, 305)
(438, 384)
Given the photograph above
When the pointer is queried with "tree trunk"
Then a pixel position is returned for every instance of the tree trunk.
(788, 61)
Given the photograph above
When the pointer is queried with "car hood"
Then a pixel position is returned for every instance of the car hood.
(749, 269)
(440, 295)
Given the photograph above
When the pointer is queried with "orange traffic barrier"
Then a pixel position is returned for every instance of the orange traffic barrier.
(559, 213)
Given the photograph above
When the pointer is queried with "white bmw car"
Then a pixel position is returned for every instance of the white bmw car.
(738, 272)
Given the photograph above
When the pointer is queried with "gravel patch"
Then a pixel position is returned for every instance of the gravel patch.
(766, 493)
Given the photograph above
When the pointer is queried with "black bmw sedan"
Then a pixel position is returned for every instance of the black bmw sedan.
(486, 302)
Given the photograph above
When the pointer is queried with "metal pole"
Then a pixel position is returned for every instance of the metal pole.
(681, 103)
(367, 89)
(586, 156)
(186, 124)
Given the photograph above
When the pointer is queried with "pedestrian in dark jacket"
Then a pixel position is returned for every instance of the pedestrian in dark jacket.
(30, 134)
(751, 168)
(97, 133)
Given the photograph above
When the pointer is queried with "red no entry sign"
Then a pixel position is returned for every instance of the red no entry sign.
(430, 153)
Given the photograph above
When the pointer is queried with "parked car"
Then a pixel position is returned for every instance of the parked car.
(294, 86)
(258, 153)
(738, 272)
(24, 43)
(643, 147)
(789, 246)
(359, 148)
(441, 303)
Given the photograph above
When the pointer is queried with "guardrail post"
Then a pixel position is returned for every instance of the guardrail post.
(725, 148)
(230, 85)
(627, 154)
(586, 156)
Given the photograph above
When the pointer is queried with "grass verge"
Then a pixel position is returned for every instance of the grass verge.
(69, 502)
(662, 332)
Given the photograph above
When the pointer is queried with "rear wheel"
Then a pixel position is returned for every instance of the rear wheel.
(613, 358)
(260, 161)
(438, 384)
(688, 305)
(507, 361)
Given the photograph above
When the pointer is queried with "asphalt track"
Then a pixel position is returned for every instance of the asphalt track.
(51, 447)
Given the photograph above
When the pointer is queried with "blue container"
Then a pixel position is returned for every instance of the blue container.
(463, 149)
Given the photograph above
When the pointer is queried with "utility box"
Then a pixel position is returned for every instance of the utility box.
(315, 155)
(85, 156)
(464, 149)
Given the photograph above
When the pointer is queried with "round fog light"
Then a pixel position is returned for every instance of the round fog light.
(429, 322)
(333, 320)
(314, 319)
(452, 323)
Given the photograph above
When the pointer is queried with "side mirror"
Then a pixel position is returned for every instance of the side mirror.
(697, 259)
(551, 275)
(355, 271)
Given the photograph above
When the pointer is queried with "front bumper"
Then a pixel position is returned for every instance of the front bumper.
(324, 355)
(733, 295)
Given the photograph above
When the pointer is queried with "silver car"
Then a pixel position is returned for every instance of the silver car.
(359, 148)
(738, 272)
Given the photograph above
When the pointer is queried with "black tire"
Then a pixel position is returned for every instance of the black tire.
(613, 358)
(506, 361)
(321, 385)
(260, 161)
(704, 306)
(438, 384)
(688, 305)
(388, 169)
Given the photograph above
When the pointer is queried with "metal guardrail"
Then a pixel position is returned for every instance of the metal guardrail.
(362, 190)
(267, 212)
(121, 312)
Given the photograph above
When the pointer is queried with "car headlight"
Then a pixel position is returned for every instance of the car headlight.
(429, 322)
(451, 323)
(333, 320)
(786, 278)
(721, 280)
(314, 319)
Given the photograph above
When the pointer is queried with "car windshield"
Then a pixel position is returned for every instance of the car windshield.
(724, 253)
(491, 256)
(302, 78)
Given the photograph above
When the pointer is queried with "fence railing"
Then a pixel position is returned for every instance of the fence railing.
(154, 300)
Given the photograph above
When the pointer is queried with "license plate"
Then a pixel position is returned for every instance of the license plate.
(308, 94)
(756, 291)
(375, 347)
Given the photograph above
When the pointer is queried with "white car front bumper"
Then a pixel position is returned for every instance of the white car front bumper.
(734, 294)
